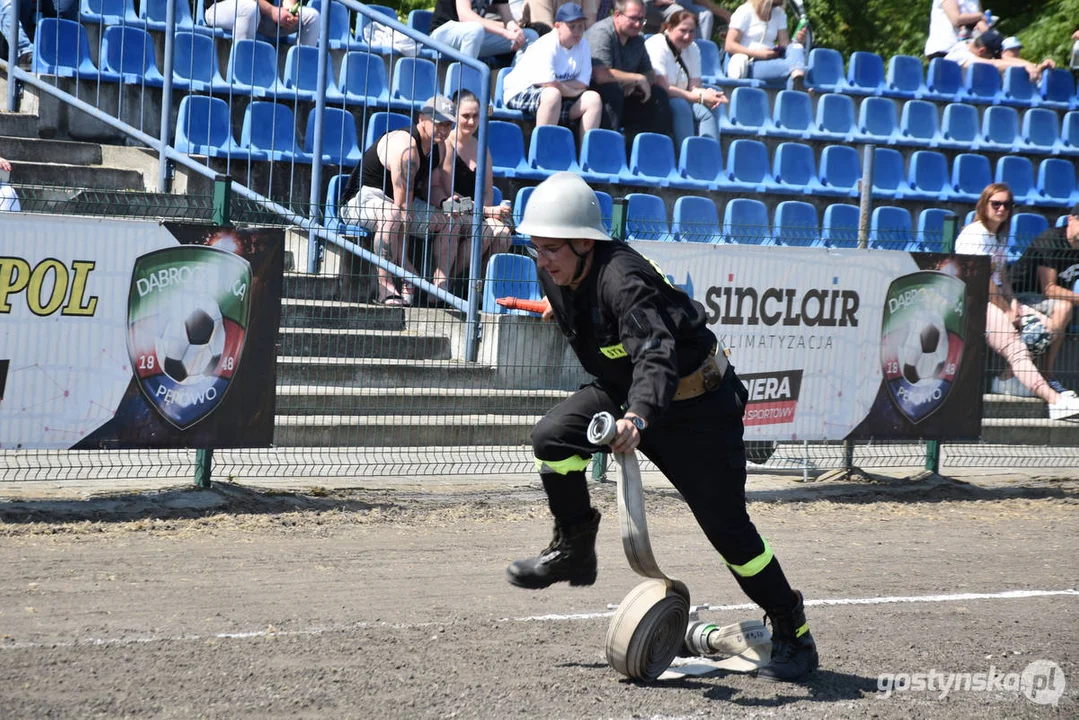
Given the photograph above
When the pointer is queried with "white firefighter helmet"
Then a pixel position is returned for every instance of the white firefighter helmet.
(564, 207)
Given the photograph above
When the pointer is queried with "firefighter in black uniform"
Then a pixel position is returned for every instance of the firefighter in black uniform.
(678, 400)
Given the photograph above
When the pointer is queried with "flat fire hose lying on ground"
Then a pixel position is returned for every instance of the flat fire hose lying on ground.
(652, 624)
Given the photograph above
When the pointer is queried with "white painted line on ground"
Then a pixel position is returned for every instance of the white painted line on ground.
(552, 617)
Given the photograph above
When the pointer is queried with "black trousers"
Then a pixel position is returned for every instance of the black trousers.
(698, 446)
(631, 116)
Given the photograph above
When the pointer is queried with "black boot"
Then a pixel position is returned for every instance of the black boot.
(570, 556)
(794, 653)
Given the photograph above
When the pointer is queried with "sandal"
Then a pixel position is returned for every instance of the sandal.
(393, 300)
(407, 295)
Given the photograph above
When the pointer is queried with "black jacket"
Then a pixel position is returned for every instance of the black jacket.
(631, 328)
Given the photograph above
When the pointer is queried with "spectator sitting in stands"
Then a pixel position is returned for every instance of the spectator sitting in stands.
(459, 155)
(676, 60)
(760, 47)
(27, 25)
(951, 21)
(550, 79)
(987, 48)
(9, 199)
(623, 76)
(1044, 278)
(384, 196)
(705, 11)
(24, 47)
(988, 236)
(1009, 49)
(463, 25)
(244, 18)
(541, 13)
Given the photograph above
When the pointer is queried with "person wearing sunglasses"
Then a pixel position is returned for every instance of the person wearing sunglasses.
(623, 76)
(1005, 316)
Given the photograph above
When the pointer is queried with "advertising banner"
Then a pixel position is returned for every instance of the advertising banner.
(124, 334)
(837, 344)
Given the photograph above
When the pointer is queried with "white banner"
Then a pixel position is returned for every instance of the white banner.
(806, 332)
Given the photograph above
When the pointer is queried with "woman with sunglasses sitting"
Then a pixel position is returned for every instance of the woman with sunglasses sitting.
(988, 235)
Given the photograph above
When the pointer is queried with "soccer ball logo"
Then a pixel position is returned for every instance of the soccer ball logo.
(924, 350)
(191, 344)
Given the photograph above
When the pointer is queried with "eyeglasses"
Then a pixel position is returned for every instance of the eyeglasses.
(546, 252)
(1001, 204)
(635, 19)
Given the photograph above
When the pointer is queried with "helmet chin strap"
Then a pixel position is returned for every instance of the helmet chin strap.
(578, 274)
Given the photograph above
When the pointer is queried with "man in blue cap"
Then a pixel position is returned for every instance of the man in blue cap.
(550, 80)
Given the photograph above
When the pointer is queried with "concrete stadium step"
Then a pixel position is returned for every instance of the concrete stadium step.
(318, 342)
(1023, 431)
(21, 125)
(82, 176)
(402, 430)
(296, 313)
(22, 149)
(304, 286)
(418, 401)
(1008, 406)
(383, 372)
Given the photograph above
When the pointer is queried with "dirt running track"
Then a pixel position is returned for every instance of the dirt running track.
(233, 603)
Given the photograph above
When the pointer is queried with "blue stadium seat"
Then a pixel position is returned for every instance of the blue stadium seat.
(865, 74)
(1069, 133)
(747, 165)
(603, 156)
(747, 113)
(507, 147)
(919, 124)
(340, 34)
(252, 71)
(710, 65)
(840, 171)
(510, 275)
(824, 71)
(745, 222)
(1000, 130)
(944, 81)
(878, 122)
(152, 13)
(380, 123)
(890, 228)
(928, 177)
(971, 217)
(62, 48)
(519, 204)
(128, 52)
(931, 228)
(905, 78)
(835, 118)
(340, 145)
(420, 20)
(1022, 230)
(796, 224)
(889, 174)
(204, 127)
(701, 162)
(696, 219)
(1062, 221)
(414, 80)
(301, 74)
(1040, 132)
(332, 217)
(362, 79)
(501, 111)
(111, 12)
(194, 65)
(462, 76)
(651, 162)
(606, 207)
(496, 195)
(1057, 89)
(1056, 182)
(959, 127)
(1018, 173)
(646, 218)
(792, 115)
(1017, 89)
(269, 133)
(552, 149)
(839, 226)
(970, 174)
(981, 84)
(794, 170)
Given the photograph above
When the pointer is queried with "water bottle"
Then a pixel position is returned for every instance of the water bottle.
(990, 19)
(802, 22)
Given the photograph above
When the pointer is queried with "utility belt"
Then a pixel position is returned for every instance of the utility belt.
(706, 378)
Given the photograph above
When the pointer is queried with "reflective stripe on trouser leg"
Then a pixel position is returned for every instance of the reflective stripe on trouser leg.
(576, 463)
(754, 566)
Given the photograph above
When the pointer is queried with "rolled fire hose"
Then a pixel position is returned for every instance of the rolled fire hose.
(649, 627)
(652, 624)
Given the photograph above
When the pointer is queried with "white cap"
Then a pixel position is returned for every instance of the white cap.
(1011, 43)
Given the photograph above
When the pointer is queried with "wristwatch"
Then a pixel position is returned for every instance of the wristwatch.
(638, 422)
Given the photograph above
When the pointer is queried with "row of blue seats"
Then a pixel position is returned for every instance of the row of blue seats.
(792, 170)
(920, 124)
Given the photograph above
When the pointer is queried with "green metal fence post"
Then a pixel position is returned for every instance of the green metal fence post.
(932, 447)
(222, 215)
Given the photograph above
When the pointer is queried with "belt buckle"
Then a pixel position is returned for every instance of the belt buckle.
(710, 375)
